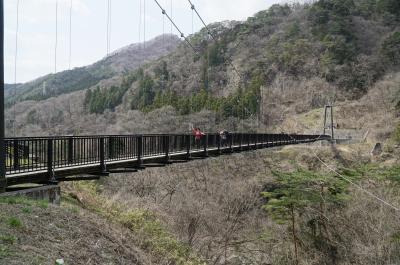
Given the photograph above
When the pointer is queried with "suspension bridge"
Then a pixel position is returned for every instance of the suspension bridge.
(49, 160)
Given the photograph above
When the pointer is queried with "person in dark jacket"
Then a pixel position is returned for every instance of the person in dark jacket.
(224, 134)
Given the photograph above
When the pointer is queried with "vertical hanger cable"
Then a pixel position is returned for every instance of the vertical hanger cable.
(70, 36)
(15, 70)
(56, 41)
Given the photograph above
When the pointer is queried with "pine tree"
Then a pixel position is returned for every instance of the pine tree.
(299, 190)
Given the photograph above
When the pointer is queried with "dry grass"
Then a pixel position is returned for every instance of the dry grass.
(36, 233)
(214, 206)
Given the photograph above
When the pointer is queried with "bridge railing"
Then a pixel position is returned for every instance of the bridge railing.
(33, 154)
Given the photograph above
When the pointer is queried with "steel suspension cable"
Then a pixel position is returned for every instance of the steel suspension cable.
(330, 168)
(164, 46)
(163, 27)
(171, 17)
(109, 27)
(70, 35)
(140, 23)
(108, 35)
(193, 7)
(241, 79)
(191, 96)
(181, 35)
(192, 21)
(56, 42)
(108, 20)
(144, 24)
(176, 27)
(15, 70)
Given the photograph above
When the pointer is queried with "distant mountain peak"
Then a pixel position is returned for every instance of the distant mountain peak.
(123, 60)
(165, 39)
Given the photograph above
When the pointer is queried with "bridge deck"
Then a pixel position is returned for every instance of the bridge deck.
(51, 159)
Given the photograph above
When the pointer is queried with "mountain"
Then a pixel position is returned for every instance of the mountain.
(305, 204)
(256, 75)
(117, 63)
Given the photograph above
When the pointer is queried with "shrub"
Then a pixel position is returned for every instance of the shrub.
(337, 50)
(391, 49)
(396, 134)
(216, 53)
(156, 238)
(389, 6)
(32, 117)
(14, 222)
(332, 17)
(301, 189)
(8, 239)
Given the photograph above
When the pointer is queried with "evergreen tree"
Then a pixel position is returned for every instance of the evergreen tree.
(299, 190)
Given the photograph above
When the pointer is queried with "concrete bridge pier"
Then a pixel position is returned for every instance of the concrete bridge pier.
(50, 193)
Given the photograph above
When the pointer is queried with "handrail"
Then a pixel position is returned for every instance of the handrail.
(37, 154)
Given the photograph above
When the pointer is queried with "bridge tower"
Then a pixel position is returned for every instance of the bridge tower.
(2, 146)
(328, 121)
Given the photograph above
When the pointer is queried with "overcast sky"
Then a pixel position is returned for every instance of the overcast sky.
(37, 27)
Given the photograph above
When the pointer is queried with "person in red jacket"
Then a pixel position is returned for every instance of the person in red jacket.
(198, 134)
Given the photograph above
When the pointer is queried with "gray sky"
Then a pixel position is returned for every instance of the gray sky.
(36, 37)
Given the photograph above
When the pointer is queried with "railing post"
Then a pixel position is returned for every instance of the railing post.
(263, 141)
(111, 147)
(70, 150)
(16, 155)
(139, 150)
(188, 145)
(257, 140)
(230, 136)
(240, 141)
(166, 139)
(102, 155)
(50, 169)
(219, 144)
(205, 139)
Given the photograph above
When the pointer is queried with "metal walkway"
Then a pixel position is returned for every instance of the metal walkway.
(44, 160)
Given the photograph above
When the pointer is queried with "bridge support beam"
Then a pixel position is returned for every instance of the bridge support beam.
(230, 137)
(3, 181)
(205, 139)
(166, 141)
(219, 144)
(71, 150)
(139, 151)
(50, 193)
(329, 108)
(188, 145)
(102, 155)
(50, 166)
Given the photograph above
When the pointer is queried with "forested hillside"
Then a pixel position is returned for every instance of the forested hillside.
(306, 204)
(118, 63)
(287, 60)
(348, 45)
